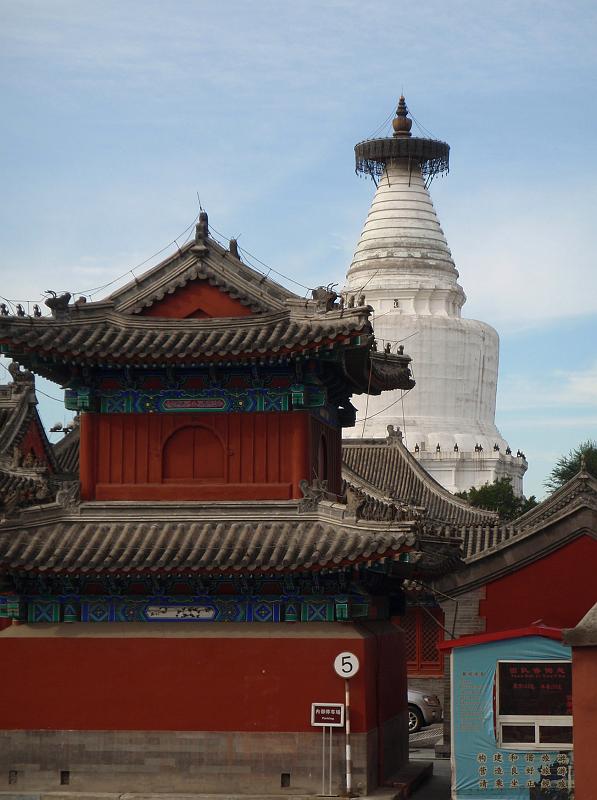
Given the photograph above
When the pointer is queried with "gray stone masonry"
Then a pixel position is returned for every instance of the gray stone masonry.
(186, 762)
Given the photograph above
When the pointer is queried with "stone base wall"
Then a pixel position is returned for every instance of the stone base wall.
(188, 761)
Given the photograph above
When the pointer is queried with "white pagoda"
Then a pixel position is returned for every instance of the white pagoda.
(404, 269)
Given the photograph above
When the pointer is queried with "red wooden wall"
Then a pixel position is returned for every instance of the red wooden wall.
(326, 454)
(32, 442)
(584, 704)
(558, 589)
(197, 683)
(422, 634)
(207, 456)
(197, 299)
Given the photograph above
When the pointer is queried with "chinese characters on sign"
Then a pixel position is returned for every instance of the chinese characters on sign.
(539, 688)
(471, 701)
(327, 714)
(515, 771)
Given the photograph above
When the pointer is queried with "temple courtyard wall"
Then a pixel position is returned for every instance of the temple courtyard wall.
(192, 707)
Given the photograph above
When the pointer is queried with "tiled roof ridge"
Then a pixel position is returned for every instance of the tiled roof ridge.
(435, 498)
(193, 510)
(296, 311)
(107, 336)
(15, 421)
(66, 451)
(22, 411)
(583, 483)
(195, 261)
(579, 491)
(59, 539)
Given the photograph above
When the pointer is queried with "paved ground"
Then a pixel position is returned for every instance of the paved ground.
(438, 786)
(422, 749)
(427, 737)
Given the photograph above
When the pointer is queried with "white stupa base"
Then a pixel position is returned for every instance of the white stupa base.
(458, 472)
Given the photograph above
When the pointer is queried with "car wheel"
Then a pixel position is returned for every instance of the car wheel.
(415, 719)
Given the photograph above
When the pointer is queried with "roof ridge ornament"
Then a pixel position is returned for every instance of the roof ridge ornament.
(202, 227)
(325, 298)
(233, 248)
(58, 304)
(394, 435)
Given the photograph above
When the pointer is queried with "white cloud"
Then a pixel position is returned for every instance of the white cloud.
(525, 256)
(555, 389)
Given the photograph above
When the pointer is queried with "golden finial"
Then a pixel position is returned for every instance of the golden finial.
(401, 123)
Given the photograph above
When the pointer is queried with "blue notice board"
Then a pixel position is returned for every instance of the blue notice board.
(494, 754)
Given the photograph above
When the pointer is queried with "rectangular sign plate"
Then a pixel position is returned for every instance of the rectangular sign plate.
(327, 715)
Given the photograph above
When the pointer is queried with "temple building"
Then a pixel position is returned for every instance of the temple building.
(27, 459)
(404, 269)
(175, 587)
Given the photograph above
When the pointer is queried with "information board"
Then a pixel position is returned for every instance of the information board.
(535, 688)
(327, 715)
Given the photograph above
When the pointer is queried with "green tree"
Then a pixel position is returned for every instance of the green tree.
(568, 466)
(499, 496)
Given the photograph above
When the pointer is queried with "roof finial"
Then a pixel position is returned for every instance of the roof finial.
(401, 123)
(202, 227)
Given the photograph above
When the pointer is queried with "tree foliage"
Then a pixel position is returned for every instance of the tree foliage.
(499, 496)
(570, 465)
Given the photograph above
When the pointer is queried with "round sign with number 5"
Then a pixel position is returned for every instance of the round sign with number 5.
(346, 665)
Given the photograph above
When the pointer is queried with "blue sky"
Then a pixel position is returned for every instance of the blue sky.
(115, 115)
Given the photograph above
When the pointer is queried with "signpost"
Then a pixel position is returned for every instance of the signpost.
(327, 715)
(346, 666)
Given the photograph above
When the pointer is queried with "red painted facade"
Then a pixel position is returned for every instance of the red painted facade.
(198, 299)
(207, 456)
(584, 703)
(195, 683)
(33, 443)
(557, 590)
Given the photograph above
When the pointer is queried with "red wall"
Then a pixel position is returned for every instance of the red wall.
(332, 438)
(558, 589)
(238, 456)
(33, 442)
(584, 703)
(240, 684)
(197, 299)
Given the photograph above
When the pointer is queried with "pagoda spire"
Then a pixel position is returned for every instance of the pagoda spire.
(402, 240)
(401, 122)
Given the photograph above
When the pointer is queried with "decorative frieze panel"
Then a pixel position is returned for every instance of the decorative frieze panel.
(180, 587)
(154, 391)
(201, 609)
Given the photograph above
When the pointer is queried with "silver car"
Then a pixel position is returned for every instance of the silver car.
(423, 709)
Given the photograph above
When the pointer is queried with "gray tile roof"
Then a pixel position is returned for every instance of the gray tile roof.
(67, 452)
(193, 538)
(98, 334)
(384, 468)
(579, 492)
(21, 483)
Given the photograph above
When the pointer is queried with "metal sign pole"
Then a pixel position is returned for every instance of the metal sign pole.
(323, 761)
(346, 665)
(348, 750)
(330, 766)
